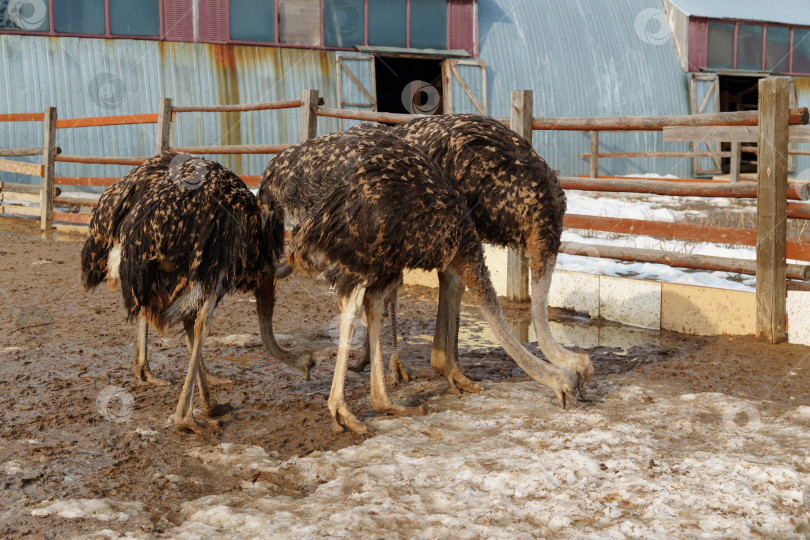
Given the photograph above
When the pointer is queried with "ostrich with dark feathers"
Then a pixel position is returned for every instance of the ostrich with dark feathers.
(366, 206)
(176, 234)
(516, 200)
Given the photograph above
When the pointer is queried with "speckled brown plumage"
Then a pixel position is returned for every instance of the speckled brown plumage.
(515, 197)
(367, 206)
(175, 235)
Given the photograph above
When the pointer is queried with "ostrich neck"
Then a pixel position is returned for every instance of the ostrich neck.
(265, 303)
(475, 276)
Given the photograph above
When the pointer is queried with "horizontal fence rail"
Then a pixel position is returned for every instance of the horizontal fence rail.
(681, 260)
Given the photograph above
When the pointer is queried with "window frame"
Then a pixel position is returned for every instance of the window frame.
(704, 41)
(106, 35)
(276, 43)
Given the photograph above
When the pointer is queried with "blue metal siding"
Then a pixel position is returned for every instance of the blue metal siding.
(584, 58)
(97, 77)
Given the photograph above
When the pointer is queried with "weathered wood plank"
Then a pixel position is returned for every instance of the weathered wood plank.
(739, 134)
(680, 260)
(308, 124)
(798, 116)
(19, 167)
(798, 191)
(48, 156)
(772, 209)
(164, 126)
(517, 266)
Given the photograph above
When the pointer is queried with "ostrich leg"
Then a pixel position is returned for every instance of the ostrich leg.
(396, 368)
(141, 364)
(558, 355)
(444, 354)
(210, 379)
(351, 307)
(183, 417)
(208, 404)
(379, 396)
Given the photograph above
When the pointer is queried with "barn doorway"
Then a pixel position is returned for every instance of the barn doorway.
(408, 85)
(739, 93)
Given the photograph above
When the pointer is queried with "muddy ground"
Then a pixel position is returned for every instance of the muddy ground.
(60, 349)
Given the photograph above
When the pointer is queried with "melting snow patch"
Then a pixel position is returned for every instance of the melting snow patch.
(100, 509)
(11, 468)
(509, 463)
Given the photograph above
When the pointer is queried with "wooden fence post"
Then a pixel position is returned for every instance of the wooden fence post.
(46, 189)
(308, 127)
(734, 170)
(517, 267)
(594, 172)
(772, 162)
(164, 125)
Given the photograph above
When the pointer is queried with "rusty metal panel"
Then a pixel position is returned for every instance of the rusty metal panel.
(96, 77)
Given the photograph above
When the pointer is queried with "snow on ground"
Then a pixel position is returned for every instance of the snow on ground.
(655, 208)
(100, 509)
(510, 463)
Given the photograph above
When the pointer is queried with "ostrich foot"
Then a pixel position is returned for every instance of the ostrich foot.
(397, 370)
(342, 419)
(189, 423)
(400, 410)
(144, 375)
(460, 383)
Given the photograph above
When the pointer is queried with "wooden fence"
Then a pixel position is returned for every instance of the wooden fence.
(772, 127)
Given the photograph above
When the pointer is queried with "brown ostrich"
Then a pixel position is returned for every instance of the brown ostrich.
(365, 206)
(515, 199)
(176, 234)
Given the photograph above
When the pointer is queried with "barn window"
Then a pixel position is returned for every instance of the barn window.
(79, 16)
(724, 45)
(344, 23)
(429, 24)
(253, 20)
(777, 49)
(801, 51)
(749, 47)
(128, 18)
(388, 23)
(299, 22)
(721, 45)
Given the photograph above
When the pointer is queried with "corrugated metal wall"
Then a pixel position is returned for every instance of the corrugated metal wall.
(96, 77)
(585, 58)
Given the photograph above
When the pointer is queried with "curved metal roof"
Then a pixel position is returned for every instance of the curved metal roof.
(796, 12)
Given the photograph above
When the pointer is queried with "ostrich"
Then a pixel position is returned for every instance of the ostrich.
(366, 206)
(515, 199)
(176, 234)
